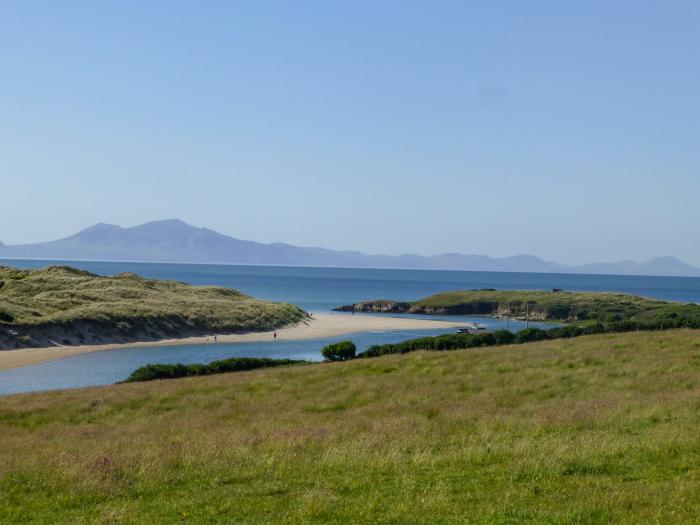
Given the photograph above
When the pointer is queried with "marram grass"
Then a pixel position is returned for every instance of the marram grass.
(540, 305)
(593, 430)
(63, 305)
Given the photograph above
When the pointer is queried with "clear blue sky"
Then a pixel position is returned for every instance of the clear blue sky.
(568, 130)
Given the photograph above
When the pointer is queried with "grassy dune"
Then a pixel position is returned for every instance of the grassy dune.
(545, 306)
(593, 430)
(63, 305)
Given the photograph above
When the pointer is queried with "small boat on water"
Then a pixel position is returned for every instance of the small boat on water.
(471, 328)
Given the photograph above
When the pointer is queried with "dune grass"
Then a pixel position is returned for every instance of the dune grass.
(551, 305)
(70, 306)
(593, 430)
(572, 307)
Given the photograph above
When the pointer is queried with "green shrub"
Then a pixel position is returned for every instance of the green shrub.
(565, 332)
(235, 364)
(343, 351)
(6, 317)
(530, 334)
(504, 337)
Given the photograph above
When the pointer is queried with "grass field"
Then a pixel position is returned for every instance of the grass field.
(593, 430)
(63, 305)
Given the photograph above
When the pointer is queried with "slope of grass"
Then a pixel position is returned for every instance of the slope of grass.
(72, 306)
(545, 306)
(593, 430)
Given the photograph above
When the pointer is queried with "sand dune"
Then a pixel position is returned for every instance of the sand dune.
(321, 325)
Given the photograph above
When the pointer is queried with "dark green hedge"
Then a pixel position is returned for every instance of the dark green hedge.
(504, 337)
(442, 342)
(235, 364)
(343, 351)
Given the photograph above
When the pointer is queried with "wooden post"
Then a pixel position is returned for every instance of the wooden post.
(527, 315)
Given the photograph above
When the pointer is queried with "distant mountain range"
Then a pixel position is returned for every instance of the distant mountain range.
(175, 241)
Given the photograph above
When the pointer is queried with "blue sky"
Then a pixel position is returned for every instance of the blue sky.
(567, 130)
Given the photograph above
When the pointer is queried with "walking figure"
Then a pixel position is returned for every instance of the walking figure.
(274, 336)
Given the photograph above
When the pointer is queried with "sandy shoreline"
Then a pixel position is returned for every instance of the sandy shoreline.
(321, 325)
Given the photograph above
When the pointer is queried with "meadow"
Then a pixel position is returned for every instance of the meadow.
(592, 430)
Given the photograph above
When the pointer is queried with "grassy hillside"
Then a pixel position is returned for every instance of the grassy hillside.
(593, 430)
(542, 305)
(70, 306)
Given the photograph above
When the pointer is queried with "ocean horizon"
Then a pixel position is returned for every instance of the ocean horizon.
(284, 282)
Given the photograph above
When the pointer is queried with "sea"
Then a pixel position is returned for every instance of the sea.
(317, 290)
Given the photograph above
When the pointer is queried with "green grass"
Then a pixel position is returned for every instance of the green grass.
(592, 430)
(71, 306)
(546, 306)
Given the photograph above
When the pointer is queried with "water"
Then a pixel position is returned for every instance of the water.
(110, 366)
(321, 289)
(314, 289)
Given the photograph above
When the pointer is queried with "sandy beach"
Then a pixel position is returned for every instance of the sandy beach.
(321, 325)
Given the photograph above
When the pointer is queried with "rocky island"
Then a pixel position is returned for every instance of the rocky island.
(537, 305)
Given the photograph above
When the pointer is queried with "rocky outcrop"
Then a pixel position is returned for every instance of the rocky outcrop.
(377, 307)
(483, 308)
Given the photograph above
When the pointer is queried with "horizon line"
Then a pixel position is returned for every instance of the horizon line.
(137, 261)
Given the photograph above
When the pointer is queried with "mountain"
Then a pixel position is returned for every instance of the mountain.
(655, 266)
(176, 241)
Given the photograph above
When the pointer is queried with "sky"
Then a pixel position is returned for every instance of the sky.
(566, 130)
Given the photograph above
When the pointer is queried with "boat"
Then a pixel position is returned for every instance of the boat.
(471, 328)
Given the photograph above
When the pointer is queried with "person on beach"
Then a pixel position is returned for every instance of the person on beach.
(274, 335)
(215, 339)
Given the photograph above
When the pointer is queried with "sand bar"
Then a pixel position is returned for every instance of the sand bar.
(321, 325)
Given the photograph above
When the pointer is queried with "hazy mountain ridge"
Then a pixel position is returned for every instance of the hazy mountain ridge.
(176, 241)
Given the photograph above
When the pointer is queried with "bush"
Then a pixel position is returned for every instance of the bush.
(6, 317)
(504, 337)
(235, 364)
(440, 343)
(343, 351)
(563, 332)
(530, 334)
